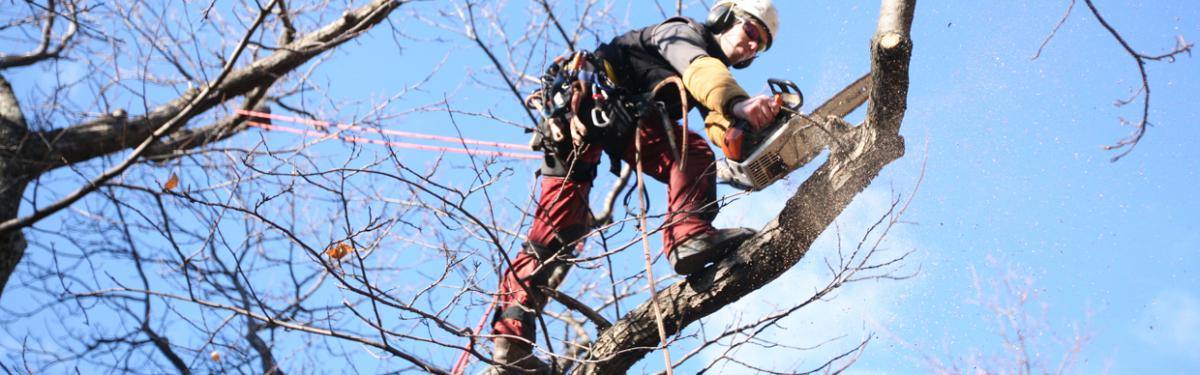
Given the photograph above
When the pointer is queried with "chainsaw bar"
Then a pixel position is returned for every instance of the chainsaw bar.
(794, 143)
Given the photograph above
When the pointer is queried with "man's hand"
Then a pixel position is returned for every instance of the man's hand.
(578, 131)
(759, 111)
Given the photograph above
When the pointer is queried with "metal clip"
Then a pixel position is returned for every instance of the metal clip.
(600, 118)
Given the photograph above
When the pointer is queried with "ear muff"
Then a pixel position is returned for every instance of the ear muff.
(720, 19)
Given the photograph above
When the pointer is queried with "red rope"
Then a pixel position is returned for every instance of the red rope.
(460, 366)
(356, 139)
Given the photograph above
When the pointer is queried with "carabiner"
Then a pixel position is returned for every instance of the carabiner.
(600, 118)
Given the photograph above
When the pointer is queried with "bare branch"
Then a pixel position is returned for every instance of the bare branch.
(103, 136)
(473, 34)
(44, 50)
(113, 133)
(1140, 127)
(1054, 31)
(563, 33)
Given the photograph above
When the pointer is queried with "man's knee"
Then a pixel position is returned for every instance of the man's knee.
(699, 150)
(515, 320)
(567, 164)
(553, 265)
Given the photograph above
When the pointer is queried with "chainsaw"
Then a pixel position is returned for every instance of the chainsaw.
(792, 140)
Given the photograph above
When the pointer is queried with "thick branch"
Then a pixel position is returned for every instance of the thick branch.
(185, 139)
(852, 165)
(175, 122)
(110, 134)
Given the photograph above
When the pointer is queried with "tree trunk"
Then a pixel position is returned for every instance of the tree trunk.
(12, 245)
(13, 179)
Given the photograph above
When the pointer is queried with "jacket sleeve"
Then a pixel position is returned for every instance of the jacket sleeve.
(715, 125)
(706, 78)
(679, 43)
(711, 83)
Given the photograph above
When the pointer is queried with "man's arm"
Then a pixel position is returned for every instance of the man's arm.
(705, 77)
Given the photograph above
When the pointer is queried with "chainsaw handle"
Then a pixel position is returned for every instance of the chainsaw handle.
(782, 87)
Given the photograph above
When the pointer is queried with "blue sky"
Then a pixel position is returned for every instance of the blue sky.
(1016, 174)
(1016, 182)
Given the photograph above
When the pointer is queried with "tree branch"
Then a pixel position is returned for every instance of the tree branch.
(43, 50)
(186, 139)
(110, 134)
(178, 119)
(1132, 140)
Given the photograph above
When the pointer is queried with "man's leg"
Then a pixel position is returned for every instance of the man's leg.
(689, 239)
(560, 221)
(692, 191)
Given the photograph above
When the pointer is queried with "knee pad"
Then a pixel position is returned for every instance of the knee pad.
(554, 164)
(520, 314)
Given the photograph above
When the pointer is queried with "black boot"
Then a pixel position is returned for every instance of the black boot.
(690, 256)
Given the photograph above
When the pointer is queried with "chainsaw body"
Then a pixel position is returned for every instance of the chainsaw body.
(791, 141)
(779, 150)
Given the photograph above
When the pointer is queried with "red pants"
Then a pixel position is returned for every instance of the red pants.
(562, 215)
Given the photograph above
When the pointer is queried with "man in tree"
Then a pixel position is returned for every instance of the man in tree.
(735, 32)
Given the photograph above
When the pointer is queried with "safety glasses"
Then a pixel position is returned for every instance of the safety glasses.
(755, 33)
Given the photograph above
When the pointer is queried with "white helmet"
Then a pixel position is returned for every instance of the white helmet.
(762, 10)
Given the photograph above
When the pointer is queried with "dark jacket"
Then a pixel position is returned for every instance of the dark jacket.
(639, 62)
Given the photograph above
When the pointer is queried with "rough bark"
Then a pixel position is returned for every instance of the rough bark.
(13, 178)
(853, 163)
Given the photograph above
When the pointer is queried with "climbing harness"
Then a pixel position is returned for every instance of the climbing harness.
(582, 87)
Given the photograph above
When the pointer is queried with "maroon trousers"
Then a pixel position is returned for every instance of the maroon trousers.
(563, 203)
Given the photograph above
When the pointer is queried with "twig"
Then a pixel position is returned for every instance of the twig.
(549, 12)
(471, 33)
(1054, 31)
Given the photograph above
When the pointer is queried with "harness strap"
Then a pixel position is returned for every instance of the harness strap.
(517, 312)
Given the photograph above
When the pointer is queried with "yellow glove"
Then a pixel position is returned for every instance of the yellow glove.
(715, 124)
(709, 81)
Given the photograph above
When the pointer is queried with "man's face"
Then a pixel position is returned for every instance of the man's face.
(744, 40)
